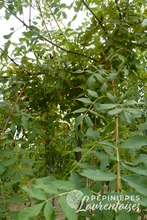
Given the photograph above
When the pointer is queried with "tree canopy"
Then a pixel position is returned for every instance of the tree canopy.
(73, 106)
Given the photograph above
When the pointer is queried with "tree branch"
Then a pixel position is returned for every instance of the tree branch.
(49, 41)
(10, 58)
(43, 18)
(5, 126)
(100, 23)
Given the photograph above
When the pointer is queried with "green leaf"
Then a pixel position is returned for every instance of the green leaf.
(85, 100)
(7, 15)
(1, 5)
(129, 118)
(49, 212)
(144, 23)
(46, 184)
(92, 93)
(91, 82)
(96, 186)
(132, 102)
(28, 161)
(41, 133)
(80, 110)
(92, 134)
(3, 105)
(123, 215)
(79, 149)
(45, 180)
(32, 136)
(2, 169)
(135, 142)
(142, 170)
(79, 71)
(115, 111)
(79, 120)
(13, 214)
(122, 58)
(8, 36)
(99, 77)
(86, 166)
(137, 182)
(26, 172)
(142, 126)
(15, 200)
(25, 122)
(8, 162)
(66, 209)
(66, 185)
(103, 88)
(111, 97)
(48, 188)
(30, 213)
(135, 112)
(6, 153)
(25, 151)
(35, 193)
(141, 159)
(8, 173)
(77, 180)
(88, 121)
(106, 106)
(106, 143)
(98, 175)
(16, 179)
(100, 155)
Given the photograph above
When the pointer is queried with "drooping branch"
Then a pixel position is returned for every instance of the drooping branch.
(5, 126)
(99, 21)
(49, 41)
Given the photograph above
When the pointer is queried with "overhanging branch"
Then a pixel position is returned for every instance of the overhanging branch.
(49, 41)
(100, 23)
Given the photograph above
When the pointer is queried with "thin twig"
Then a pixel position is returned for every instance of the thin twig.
(56, 20)
(43, 19)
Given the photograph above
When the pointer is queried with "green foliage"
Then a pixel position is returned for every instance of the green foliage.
(73, 89)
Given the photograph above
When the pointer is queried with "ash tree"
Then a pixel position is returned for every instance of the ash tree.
(73, 108)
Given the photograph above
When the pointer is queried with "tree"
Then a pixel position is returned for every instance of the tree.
(73, 105)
